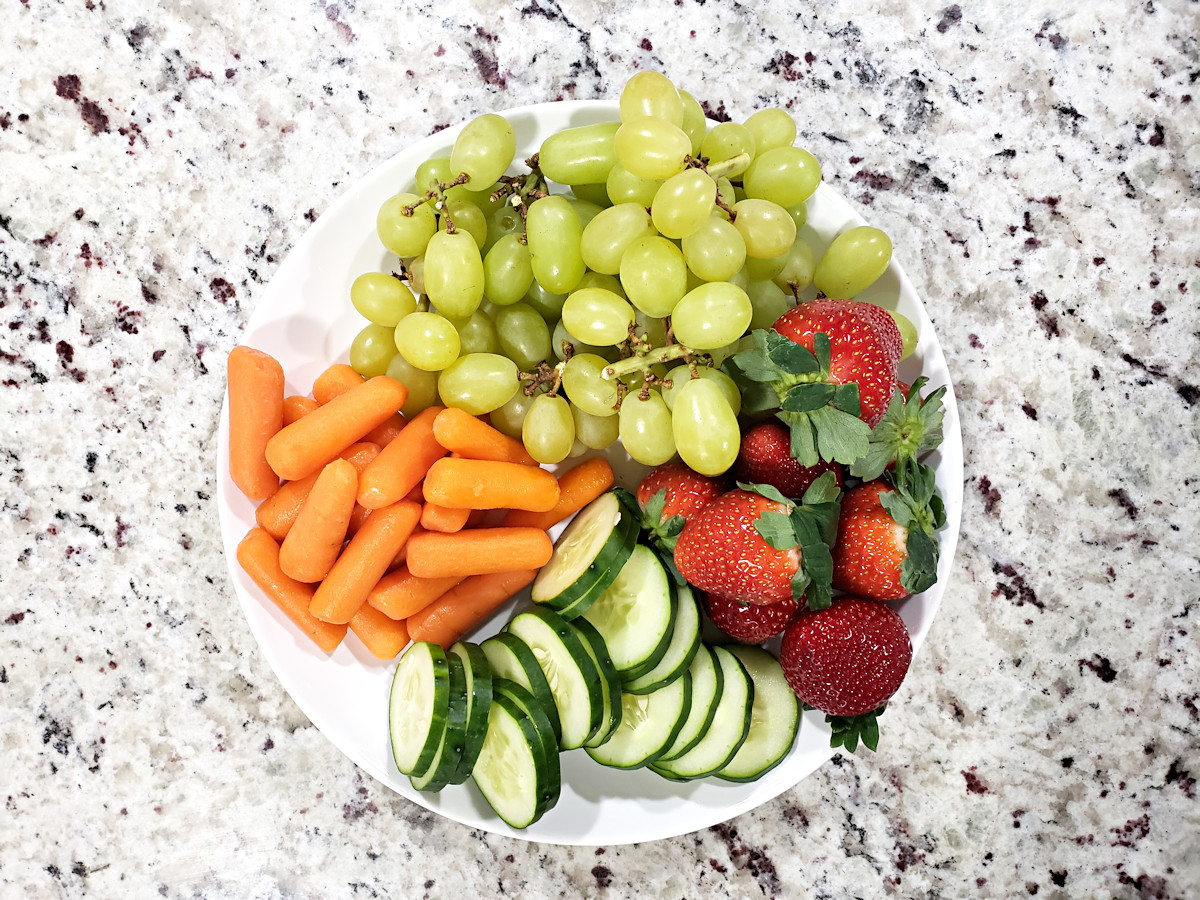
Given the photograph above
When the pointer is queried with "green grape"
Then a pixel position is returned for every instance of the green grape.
(644, 428)
(427, 340)
(798, 267)
(853, 262)
(711, 315)
(799, 214)
(478, 382)
(597, 316)
(726, 197)
(765, 226)
(741, 278)
(595, 432)
(652, 148)
(433, 173)
(771, 127)
(465, 216)
(415, 270)
(704, 427)
(677, 377)
(381, 298)
(372, 349)
(695, 123)
(454, 273)
(484, 149)
(422, 385)
(586, 387)
(684, 203)
(654, 274)
(715, 250)
(476, 334)
(770, 302)
(585, 210)
(595, 193)
(723, 142)
(908, 334)
(601, 280)
(507, 271)
(560, 337)
(607, 235)
(503, 220)
(548, 305)
(652, 329)
(553, 230)
(486, 200)
(580, 155)
(548, 431)
(523, 334)
(622, 186)
(649, 93)
(785, 175)
(405, 235)
(511, 416)
(766, 269)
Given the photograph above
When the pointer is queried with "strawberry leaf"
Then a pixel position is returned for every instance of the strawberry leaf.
(824, 489)
(808, 396)
(660, 532)
(767, 490)
(847, 731)
(803, 442)
(794, 359)
(910, 427)
(814, 522)
(776, 529)
(918, 572)
(917, 507)
(841, 436)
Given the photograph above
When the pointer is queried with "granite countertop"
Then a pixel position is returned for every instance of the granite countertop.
(1038, 170)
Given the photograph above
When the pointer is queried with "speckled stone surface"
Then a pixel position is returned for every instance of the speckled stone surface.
(1038, 168)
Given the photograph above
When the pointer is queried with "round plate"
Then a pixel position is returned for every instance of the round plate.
(304, 319)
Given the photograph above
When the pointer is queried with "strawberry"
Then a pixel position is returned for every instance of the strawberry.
(754, 545)
(747, 622)
(885, 545)
(847, 660)
(669, 495)
(765, 458)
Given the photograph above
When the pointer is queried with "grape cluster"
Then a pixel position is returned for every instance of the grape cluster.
(592, 299)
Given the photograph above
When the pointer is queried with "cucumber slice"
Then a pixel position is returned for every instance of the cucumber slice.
(730, 725)
(636, 614)
(685, 642)
(649, 725)
(511, 658)
(774, 718)
(610, 681)
(513, 771)
(550, 780)
(707, 684)
(479, 698)
(587, 556)
(574, 679)
(445, 761)
(418, 705)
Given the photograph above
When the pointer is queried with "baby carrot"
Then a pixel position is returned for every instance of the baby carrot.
(363, 562)
(255, 384)
(383, 434)
(459, 431)
(447, 519)
(334, 382)
(308, 443)
(358, 515)
(277, 513)
(384, 637)
(400, 593)
(577, 487)
(296, 407)
(258, 555)
(465, 606)
(487, 484)
(315, 539)
(477, 551)
(401, 464)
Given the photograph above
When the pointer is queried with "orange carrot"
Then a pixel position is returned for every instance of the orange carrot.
(402, 463)
(384, 637)
(400, 593)
(308, 443)
(383, 434)
(477, 551)
(363, 562)
(577, 487)
(446, 519)
(334, 382)
(357, 516)
(255, 384)
(258, 555)
(297, 407)
(315, 539)
(459, 431)
(487, 484)
(402, 554)
(277, 513)
(466, 605)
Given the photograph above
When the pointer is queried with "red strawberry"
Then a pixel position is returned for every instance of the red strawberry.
(765, 458)
(847, 660)
(669, 495)
(749, 623)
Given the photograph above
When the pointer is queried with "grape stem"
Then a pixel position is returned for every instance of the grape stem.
(643, 361)
(544, 375)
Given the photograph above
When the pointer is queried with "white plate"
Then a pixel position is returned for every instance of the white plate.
(304, 318)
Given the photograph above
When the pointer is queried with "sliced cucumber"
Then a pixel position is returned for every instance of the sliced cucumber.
(707, 684)
(574, 679)
(685, 642)
(418, 705)
(774, 718)
(550, 780)
(649, 725)
(479, 698)
(513, 771)
(730, 725)
(587, 556)
(445, 761)
(610, 681)
(511, 658)
(636, 614)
